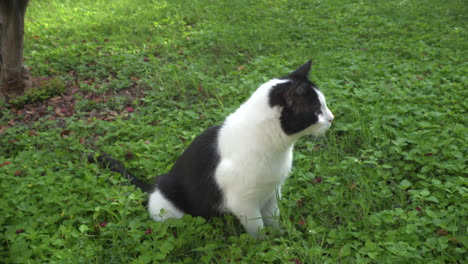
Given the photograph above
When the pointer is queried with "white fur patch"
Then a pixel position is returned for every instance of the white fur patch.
(256, 157)
(326, 113)
(161, 208)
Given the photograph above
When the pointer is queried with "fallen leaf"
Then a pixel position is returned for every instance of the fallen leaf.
(55, 99)
(442, 232)
(300, 203)
(128, 155)
(58, 112)
(301, 222)
(108, 118)
(317, 180)
(296, 261)
(65, 133)
(5, 163)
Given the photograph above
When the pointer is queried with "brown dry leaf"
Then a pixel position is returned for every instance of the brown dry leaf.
(5, 163)
(296, 261)
(65, 133)
(108, 118)
(442, 232)
(58, 112)
(300, 203)
(55, 99)
(301, 222)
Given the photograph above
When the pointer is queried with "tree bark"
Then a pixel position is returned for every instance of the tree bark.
(15, 79)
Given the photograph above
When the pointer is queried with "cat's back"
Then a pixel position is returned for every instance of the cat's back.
(190, 184)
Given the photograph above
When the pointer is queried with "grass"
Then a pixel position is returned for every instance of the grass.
(387, 184)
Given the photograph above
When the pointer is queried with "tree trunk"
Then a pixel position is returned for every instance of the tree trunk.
(15, 79)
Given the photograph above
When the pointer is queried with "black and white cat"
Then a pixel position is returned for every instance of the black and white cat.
(240, 166)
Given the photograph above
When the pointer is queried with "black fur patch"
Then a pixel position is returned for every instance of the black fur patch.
(190, 184)
(300, 102)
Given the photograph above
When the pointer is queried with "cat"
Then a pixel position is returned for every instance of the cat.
(240, 165)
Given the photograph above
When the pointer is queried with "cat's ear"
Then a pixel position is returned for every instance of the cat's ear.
(303, 71)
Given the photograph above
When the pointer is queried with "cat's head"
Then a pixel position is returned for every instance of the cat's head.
(303, 107)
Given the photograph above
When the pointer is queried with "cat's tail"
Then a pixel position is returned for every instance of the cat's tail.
(112, 164)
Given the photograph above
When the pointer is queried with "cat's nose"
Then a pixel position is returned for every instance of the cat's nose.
(331, 119)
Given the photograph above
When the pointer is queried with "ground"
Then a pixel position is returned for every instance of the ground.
(139, 81)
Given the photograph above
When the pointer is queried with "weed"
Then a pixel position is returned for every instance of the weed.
(44, 88)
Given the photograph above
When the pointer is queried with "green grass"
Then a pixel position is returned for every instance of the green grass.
(387, 184)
